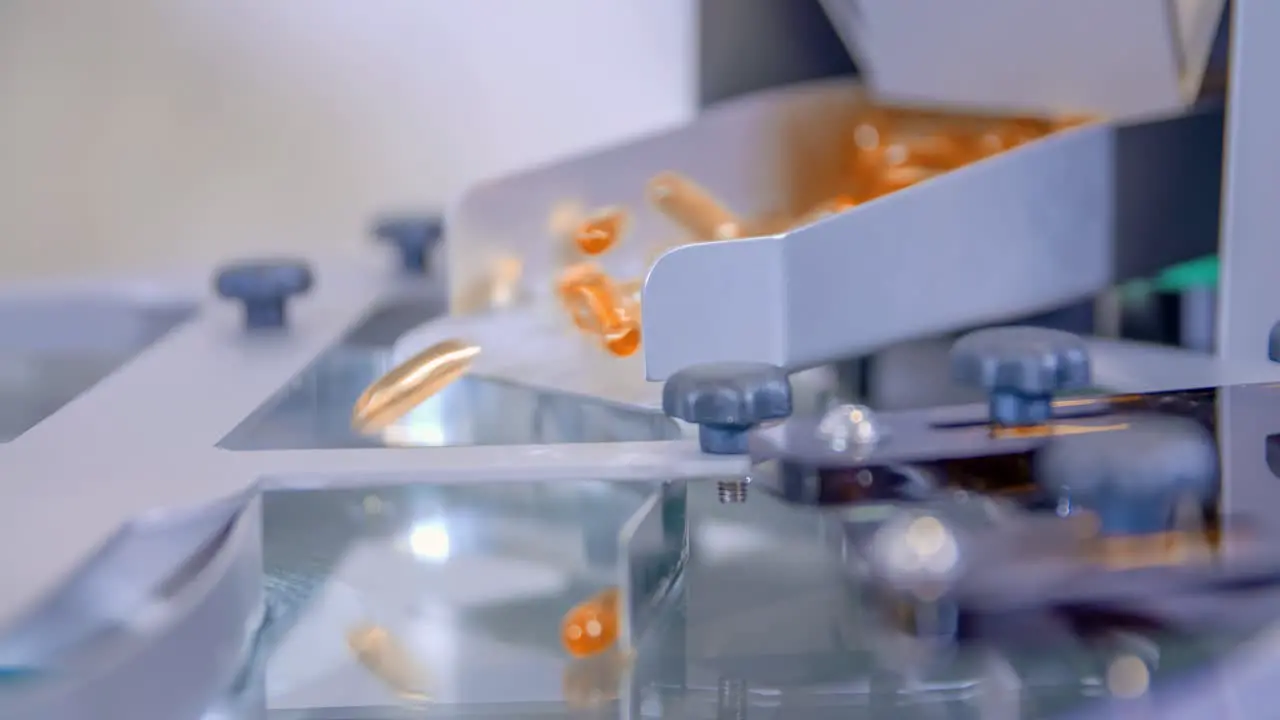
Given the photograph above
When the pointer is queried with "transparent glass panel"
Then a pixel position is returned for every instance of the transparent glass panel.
(766, 621)
(469, 582)
(314, 412)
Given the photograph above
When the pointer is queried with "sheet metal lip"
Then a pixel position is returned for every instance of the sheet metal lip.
(200, 640)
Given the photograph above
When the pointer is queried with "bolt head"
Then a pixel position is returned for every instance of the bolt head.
(1026, 360)
(728, 394)
(251, 280)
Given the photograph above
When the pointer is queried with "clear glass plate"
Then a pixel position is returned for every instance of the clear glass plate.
(314, 412)
(471, 581)
(765, 621)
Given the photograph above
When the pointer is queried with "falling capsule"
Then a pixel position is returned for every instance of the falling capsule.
(504, 285)
(380, 653)
(691, 207)
(589, 682)
(600, 308)
(631, 288)
(411, 383)
(591, 627)
(600, 231)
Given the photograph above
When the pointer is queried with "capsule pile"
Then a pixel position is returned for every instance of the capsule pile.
(888, 150)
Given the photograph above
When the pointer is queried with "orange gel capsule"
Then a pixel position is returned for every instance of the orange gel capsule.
(938, 152)
(834, 206)
(591, 627)
(693, 208)
(601, 231)
(601, 308)
(1007, 136)
(894, 179)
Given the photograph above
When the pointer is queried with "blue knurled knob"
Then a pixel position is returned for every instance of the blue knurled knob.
(1133, 472)
(414, 238)
(264, 286)
(1021, 368)
(725, 400)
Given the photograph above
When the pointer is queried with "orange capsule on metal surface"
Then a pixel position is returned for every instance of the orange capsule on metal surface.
(601, 231)
(1008, 135)
(939, 152)
(591, 627)
(894, 179)
(834, 206)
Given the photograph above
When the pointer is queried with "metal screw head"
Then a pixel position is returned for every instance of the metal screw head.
(844, 426)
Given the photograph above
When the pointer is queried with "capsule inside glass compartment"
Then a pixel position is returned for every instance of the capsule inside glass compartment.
(591, 627)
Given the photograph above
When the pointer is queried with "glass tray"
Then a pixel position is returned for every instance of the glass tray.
(314, 412)
(763, 624)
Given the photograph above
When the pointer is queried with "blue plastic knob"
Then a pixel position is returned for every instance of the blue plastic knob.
(726, 400)
(264, 286)
(1273, 345)
(1133, 473)
(414, 238)
(1021, 368)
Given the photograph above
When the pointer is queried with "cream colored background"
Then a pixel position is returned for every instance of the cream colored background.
(144, 134)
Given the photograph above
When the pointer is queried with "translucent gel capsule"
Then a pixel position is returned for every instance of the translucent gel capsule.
(938, 152)
(412, 383)
(384, 657)
(591, 627)
(691, 207)
(871, 138)
(834, 206)
(1008, 135)
(504, 288)
(589, 682)
(601, 308)
(601, 231)
(892, 180)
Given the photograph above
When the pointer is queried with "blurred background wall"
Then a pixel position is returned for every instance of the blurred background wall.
(146, 134)
(149, 133)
